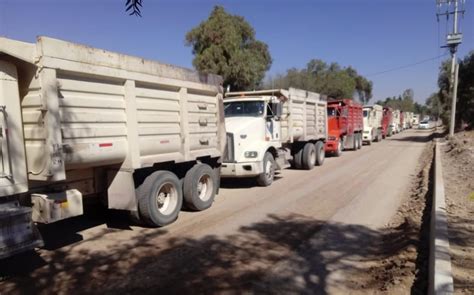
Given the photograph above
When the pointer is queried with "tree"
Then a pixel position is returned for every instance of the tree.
(435, 106)
(465, 95)
(465, 102)
(133, 7)
(225, 44)
(329, 79)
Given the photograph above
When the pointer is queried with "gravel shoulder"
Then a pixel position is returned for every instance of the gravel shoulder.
(458, 173)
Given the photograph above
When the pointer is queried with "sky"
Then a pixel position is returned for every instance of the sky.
(370, 35)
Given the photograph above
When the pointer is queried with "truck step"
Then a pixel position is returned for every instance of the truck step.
(18, 233)
(282, 160)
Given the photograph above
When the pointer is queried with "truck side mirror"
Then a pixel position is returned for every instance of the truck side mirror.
(277, 109)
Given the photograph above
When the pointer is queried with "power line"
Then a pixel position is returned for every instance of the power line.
(407, 66)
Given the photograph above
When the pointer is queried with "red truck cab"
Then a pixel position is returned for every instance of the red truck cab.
(345, 126)
(386, 121)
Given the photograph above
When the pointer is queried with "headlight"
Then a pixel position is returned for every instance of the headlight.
(251, 154)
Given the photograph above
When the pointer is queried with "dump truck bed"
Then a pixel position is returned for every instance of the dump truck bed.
(84, 107)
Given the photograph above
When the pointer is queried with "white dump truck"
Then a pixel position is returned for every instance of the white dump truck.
(267, 129)
(416, 119)
(79, 122)
(408, 120)
(396, 121)
(373, 115)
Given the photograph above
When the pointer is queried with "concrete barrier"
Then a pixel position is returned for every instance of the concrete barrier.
(440, 272)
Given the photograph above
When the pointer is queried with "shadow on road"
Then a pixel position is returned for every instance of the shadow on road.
(283, 254)
(421, 136)
(249, 182)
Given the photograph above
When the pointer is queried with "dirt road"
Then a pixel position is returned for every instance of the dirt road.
(300, 235)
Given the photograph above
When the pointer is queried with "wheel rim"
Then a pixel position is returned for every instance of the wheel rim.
(166, 198)
(205, 187)
(268, 170)
(312, 156)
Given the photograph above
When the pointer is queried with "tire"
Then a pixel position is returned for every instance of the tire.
(359, 140)
(199, 187)
(320, 154)
(266, 178)
(309, 156)
(340, 144)
(160, 198)
(298, 159)
(355, 145)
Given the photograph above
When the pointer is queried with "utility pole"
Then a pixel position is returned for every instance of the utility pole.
(453, 40)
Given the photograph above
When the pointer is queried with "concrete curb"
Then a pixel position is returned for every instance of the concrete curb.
(440, 272)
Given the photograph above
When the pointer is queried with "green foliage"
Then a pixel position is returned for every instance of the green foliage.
(404, 102)
(465, 95)
(133, 7)
(330, 79)
(465, 103)
(435, 107)
(225, 44)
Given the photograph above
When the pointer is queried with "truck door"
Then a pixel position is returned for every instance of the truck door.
(273, 126)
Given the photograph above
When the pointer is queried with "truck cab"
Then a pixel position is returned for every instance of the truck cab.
(387, 128)
(372, 123)
(267, 129)
(253, 128)
(344, 126)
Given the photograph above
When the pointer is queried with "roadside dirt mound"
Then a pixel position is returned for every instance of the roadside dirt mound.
(401, 266)
(458, 172)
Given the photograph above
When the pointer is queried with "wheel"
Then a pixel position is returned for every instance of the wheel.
(199, 187)
(355, 145)
(160, 198)
(309, 156)
(359, 140)
(377, 137)
(298, 158)
(266, 178)
(340, 144)
(320, 154)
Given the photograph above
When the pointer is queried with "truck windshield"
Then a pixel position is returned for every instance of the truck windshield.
(244, 108)
(366, 114)
(332, 112)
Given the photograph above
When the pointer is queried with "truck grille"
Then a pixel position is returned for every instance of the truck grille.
(229, 148)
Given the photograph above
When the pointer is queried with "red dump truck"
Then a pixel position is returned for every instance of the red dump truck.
(386, 122)
(345, 126)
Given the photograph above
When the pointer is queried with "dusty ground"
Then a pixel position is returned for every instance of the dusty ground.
(311, 232)
(458, 172)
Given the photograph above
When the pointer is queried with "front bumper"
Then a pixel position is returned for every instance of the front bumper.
(247, 169)
(331, 146)
(367, 137)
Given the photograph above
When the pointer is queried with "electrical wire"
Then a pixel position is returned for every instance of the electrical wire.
(406, 66)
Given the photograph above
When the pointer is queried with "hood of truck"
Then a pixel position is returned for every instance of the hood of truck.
(249, 134)
(242, 124)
